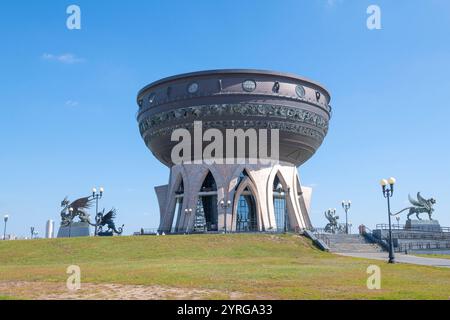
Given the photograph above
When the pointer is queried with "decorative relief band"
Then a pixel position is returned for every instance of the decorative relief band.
(229, 124)
(291, 114)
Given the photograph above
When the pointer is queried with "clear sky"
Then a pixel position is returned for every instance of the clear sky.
(67, 97)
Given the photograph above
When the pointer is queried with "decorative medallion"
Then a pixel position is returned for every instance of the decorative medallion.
(193, 87)
(300, 90)
(249, 85)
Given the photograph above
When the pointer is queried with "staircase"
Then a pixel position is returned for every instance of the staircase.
(351, 243)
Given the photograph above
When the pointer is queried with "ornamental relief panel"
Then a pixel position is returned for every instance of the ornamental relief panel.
(291, 114)
(243, 124)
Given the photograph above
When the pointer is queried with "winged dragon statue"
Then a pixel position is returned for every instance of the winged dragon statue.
(421, 205)
(332, 226)
(108, 220)
(75, 209)
(79, 207)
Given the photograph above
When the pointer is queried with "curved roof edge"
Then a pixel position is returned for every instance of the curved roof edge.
(234, 71)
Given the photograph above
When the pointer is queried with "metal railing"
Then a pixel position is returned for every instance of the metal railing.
(324, 238)
(146, 232)
(322, 235)
(423, 239)
(318, 230)
(402, 227)
(368, 234)
(155, 231)
(402, 247)
(423, 236)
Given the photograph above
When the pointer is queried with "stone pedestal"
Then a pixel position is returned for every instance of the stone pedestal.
(420, 236)
(423, 225)
(76, 229)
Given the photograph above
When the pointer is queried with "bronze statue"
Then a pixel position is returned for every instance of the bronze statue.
(108, 220)
(421, 205)
(333, 226)
(77, 208)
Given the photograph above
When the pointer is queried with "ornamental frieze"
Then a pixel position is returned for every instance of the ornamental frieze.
(243, 124)
(218, 110)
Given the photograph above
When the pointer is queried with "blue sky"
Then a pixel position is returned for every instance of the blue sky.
(67, 108)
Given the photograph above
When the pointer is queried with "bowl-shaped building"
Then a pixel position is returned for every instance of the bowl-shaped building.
(240, 195)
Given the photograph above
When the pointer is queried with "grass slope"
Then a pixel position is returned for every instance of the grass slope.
(256, 265)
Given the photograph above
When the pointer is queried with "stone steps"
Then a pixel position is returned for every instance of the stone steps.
(368, 249)
(351, 243)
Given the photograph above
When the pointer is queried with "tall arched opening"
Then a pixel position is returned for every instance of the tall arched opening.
(206, 215)
(280, 205)
(246, 209)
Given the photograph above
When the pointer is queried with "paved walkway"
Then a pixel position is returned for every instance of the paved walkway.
(401, 258)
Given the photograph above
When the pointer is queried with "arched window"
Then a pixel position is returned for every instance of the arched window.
(246, 220)
(279, 205)
(206, 217)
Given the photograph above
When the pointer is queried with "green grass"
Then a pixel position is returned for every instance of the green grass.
(256, 265)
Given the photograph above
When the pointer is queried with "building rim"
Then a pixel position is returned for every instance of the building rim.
(234, 71)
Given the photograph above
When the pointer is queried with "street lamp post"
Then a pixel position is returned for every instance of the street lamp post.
(188, 212)
(70, 223)
(388, 193)
(346, 206)
(225, 206)
(96, 196)
(5, 218)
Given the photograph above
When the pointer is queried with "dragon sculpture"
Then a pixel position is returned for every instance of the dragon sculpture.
(107, 220)
(421, 205)
(333, 226)
(77, 208)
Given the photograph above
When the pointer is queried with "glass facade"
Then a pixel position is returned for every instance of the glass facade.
(206, 215)
(246, 220)
(279, 206)
(246, 213)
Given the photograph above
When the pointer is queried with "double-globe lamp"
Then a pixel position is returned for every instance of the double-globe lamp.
(388, 191)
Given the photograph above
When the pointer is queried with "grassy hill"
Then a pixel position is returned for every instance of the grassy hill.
(217, 266)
